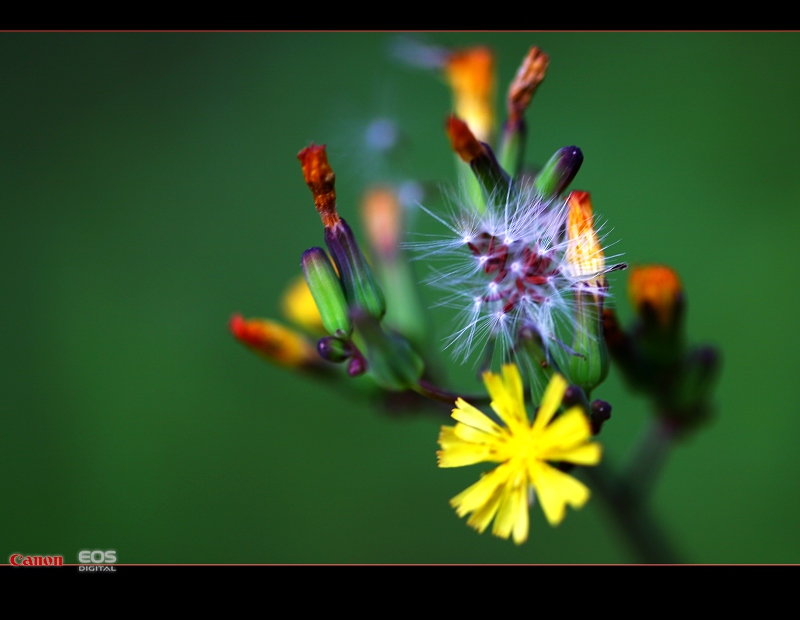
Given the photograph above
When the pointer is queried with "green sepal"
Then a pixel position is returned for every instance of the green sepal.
(393, 363)
(327, 291)
(589, 362)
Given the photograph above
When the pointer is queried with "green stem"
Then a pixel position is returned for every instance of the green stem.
(636, 522)
(649, 455)
(429, 390)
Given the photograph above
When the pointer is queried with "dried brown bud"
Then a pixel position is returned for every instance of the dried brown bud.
(462, 140)
(529, 75)
(320, 180)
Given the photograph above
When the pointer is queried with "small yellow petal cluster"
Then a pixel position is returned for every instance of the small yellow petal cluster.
(523, 450)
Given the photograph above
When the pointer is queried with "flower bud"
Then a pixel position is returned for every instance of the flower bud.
(588, 365)
(600, 413)
(274, 342)
(298, 306)
(478, 155)
(334, 349)
(360, 286)
(586, 262)
(327, 292)
(657, 295)
(471, 75)
(382, 217)
(321, 181)
(558, 172)
(656, 291)
(585, 258)
(357, 366)
(529, 75)
(392, 361)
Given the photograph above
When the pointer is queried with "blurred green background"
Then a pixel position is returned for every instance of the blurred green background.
(150, 189)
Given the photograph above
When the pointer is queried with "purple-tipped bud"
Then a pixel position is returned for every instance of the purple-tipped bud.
(559, 171)
(357, 366)
(327, 291)
(334, 349)
(360, 286)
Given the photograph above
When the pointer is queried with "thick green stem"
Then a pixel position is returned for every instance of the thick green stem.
(636, 522)
(648, 456)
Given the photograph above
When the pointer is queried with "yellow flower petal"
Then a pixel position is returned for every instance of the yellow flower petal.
(482, 517)
(479, 494)
(447, 436)
(513, 513)
(468, 414)
(507, 396)
(587, 454)
(570, 429)
(470, 434)
(551, 399)
(464, 454)
(555, 490)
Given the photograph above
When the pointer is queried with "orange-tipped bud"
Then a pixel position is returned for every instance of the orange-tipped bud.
(657, 287)
(529, 75)
(462, 140)
(320, 180)
(275, 342)
(382, 215)
(470, 73)
(584, 252)
(299, 307)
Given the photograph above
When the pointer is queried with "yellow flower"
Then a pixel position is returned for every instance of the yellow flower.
(298, 306)
(523, 451)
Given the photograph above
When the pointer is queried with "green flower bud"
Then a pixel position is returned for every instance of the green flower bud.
(327, 291)
(360, 286)
(559, 171)
(588, 364)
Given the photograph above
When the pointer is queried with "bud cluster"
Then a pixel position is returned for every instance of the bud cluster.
(522, 262)
(349, 298)
(652, 353)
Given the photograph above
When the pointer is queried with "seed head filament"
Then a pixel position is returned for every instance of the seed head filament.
(521, 273)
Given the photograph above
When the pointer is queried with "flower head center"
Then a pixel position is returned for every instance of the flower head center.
(516, 272)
